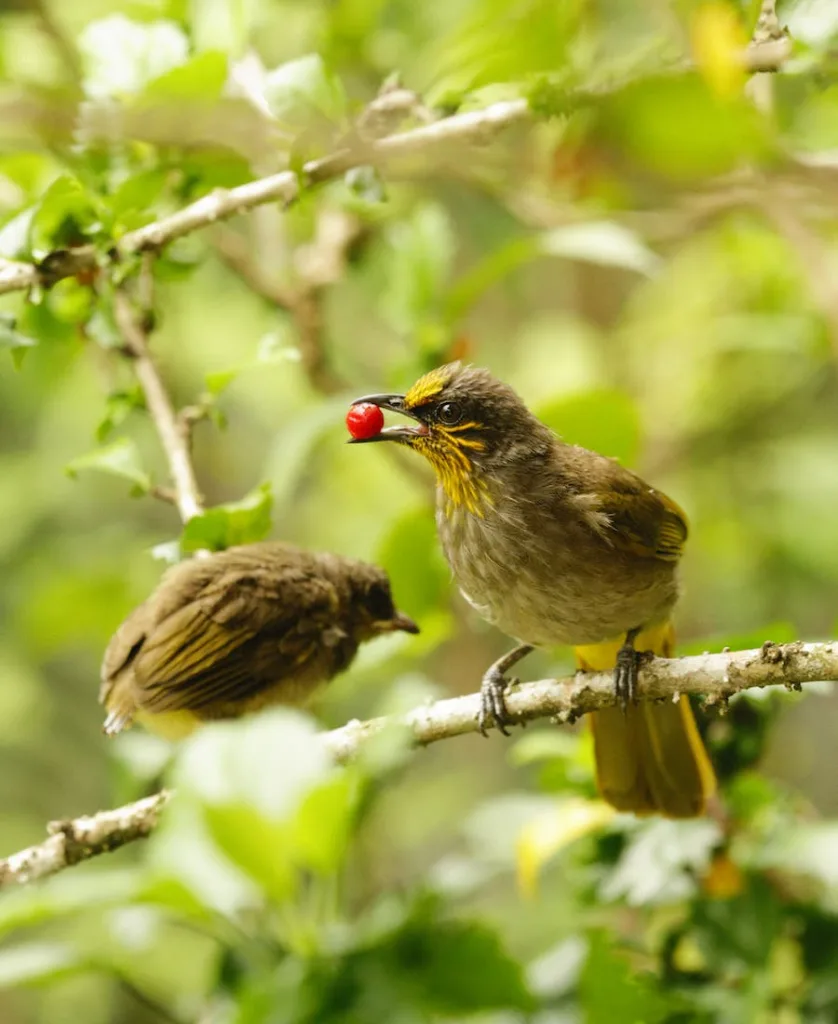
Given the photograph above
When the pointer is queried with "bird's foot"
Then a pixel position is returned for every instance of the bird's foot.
(626, 673)
(493, 689)
(492, 704)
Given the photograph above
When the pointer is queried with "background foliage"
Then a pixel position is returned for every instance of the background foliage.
(651, 265)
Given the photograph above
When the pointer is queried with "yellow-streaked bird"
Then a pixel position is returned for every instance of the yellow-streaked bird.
(254, 625)
(555, 544)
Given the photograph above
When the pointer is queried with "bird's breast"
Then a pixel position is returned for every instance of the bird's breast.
(547, 580)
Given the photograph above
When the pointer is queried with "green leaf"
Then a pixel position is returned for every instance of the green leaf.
(10, 337)
(419, 268)
(305, 89)
(38, 962)
(121, 56)
(200, 79)
(611, 991)
(257, 846)
(64, 217)
(677, 127)
(118, 406)
(271, 798)
(322, 828)
(410, 553)
(600, 242)
(239, 522)
(814, 22)
(225, 25)
(64, 895)
(458, 967)
(120, 458)
(603, 420)
(662, 860)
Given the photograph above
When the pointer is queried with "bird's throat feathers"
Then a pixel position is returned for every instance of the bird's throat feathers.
(461, 481)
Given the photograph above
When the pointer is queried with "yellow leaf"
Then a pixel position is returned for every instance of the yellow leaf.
(550, 832)
(718, 39)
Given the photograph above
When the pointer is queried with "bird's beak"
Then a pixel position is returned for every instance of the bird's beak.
(400, 621)
(402, 432)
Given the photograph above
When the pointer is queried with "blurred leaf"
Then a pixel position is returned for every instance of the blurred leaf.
(121, 56)
(549, 833)
(118, 406)
(488, 271)
(10, 337)
(610, 990)
(136, 195)
(498, 41)
(271, 799)
(239, 522)
(676, 127)
(200, 79)
(70, 301)
(606, 421)
(601, 242)
(255, 845)
(321, 829)
(224, 25)
(421, 253)
(37, 963)
(661, 860)
(63, 218)
(304, 91)
(814, 22)
(64, 895)
(411, 554)
(120, 458)
(457, 967)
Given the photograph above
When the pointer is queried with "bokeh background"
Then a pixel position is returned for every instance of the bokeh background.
(651, 263)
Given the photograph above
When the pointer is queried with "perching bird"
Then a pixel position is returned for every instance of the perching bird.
(555, 544)
(238, 630)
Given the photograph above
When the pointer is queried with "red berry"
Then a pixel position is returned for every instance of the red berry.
(364, 420)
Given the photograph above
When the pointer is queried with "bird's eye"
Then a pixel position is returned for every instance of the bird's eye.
(379, 601)
(449, 413)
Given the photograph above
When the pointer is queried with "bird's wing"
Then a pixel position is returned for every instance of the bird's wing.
(239, 634)
(123, 648)
(638, 518)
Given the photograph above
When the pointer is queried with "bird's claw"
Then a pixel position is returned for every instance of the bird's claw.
(626, 672)
(492, 704)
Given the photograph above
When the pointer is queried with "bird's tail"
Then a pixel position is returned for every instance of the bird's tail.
(649, 759)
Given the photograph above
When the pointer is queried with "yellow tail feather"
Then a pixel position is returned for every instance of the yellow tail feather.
(649, 759)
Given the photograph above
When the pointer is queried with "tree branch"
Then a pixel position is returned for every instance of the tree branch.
(472, 127)
(716, 677)
(75, 840)
(172, 430)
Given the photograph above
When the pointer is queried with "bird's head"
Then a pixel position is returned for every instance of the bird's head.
(467, 424)
(371, 604)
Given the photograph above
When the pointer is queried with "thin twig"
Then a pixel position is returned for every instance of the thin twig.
(477, 126)
(716, 677)
(173, 433)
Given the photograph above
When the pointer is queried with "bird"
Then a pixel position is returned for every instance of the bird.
(227, 634)
(555, 544)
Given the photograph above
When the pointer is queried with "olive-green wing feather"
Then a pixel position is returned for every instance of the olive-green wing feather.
(637, 517)
(238, 635)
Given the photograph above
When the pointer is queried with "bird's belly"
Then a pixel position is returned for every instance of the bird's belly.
(545, 597)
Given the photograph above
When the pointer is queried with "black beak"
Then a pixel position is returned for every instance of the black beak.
(393, 403)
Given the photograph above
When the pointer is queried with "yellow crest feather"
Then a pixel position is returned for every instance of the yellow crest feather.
(430, 385)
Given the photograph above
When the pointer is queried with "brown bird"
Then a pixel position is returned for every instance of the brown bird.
(238, 630)
(555, 544)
